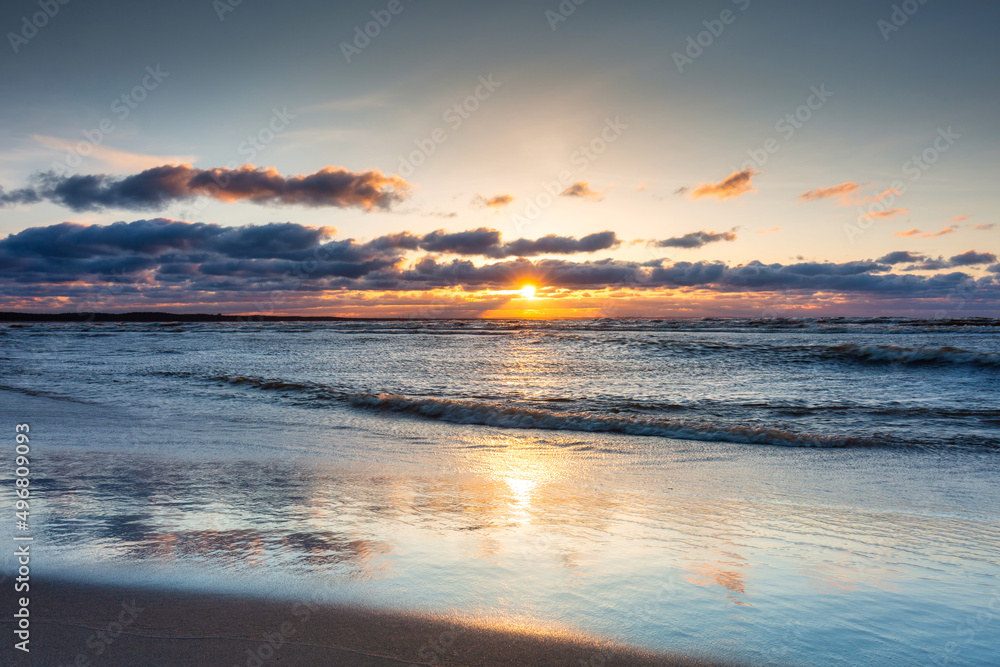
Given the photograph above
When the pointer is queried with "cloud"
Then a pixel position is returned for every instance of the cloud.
(582, 190)
(842, 190)
(735, 185)
(972, 258)
(924, 263)
(959, 218)
(900, 257)
(929, 264)
(15, 197)
(984, 228)
(176, 252)
(865, 278)
(556, 245)
(696, 239)
(486, 242)
(847, 193)
(475, 242)
(112, 157)
(888, 213)
(770, 230)
(69, 240)
(161, 186)
(499, 201)
(928, 235)
(170, 264)
(280, 267)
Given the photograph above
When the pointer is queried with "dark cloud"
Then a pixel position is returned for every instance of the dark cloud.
(159, 187)
(476, 242)
(22, 196)
(696, 239)
(253, 257)
(166, 262)
(152, 237)
(972, 258)
(556, 245)
(803, 278)
(929, 264)
(486, 242)
(901, 257)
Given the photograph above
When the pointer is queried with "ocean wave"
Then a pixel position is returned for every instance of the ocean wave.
(43, 394)
(312, 390)
(868, 353)
(510, 416)
(505, 416)
(894, 354)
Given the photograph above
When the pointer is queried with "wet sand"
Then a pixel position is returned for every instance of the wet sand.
(77, 624)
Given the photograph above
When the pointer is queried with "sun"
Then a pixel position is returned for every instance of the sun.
(528, 292)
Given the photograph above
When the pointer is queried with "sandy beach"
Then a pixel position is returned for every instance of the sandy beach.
(78, 624)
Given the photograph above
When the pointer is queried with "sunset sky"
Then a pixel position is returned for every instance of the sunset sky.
(734, 158)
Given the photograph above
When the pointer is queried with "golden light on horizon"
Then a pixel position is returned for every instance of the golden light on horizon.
(528, 292)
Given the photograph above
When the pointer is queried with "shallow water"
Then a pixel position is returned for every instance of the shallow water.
(403, 465)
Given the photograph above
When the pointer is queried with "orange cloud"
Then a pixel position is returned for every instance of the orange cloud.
(888, 213)
(984, 228)
(735, 185)
(582, 190)
(771, 230)
(841, 190)
(845, 192)
(498, 201)
(928, 235)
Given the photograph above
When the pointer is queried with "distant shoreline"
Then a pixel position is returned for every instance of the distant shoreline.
(141, 316)
(159, 316)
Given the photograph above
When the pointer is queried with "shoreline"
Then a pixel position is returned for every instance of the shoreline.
(85, 624)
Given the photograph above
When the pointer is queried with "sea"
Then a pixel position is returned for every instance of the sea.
(760, 491)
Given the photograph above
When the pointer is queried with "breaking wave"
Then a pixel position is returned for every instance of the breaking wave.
(484, 414)
(510, 416)
(894, 354)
